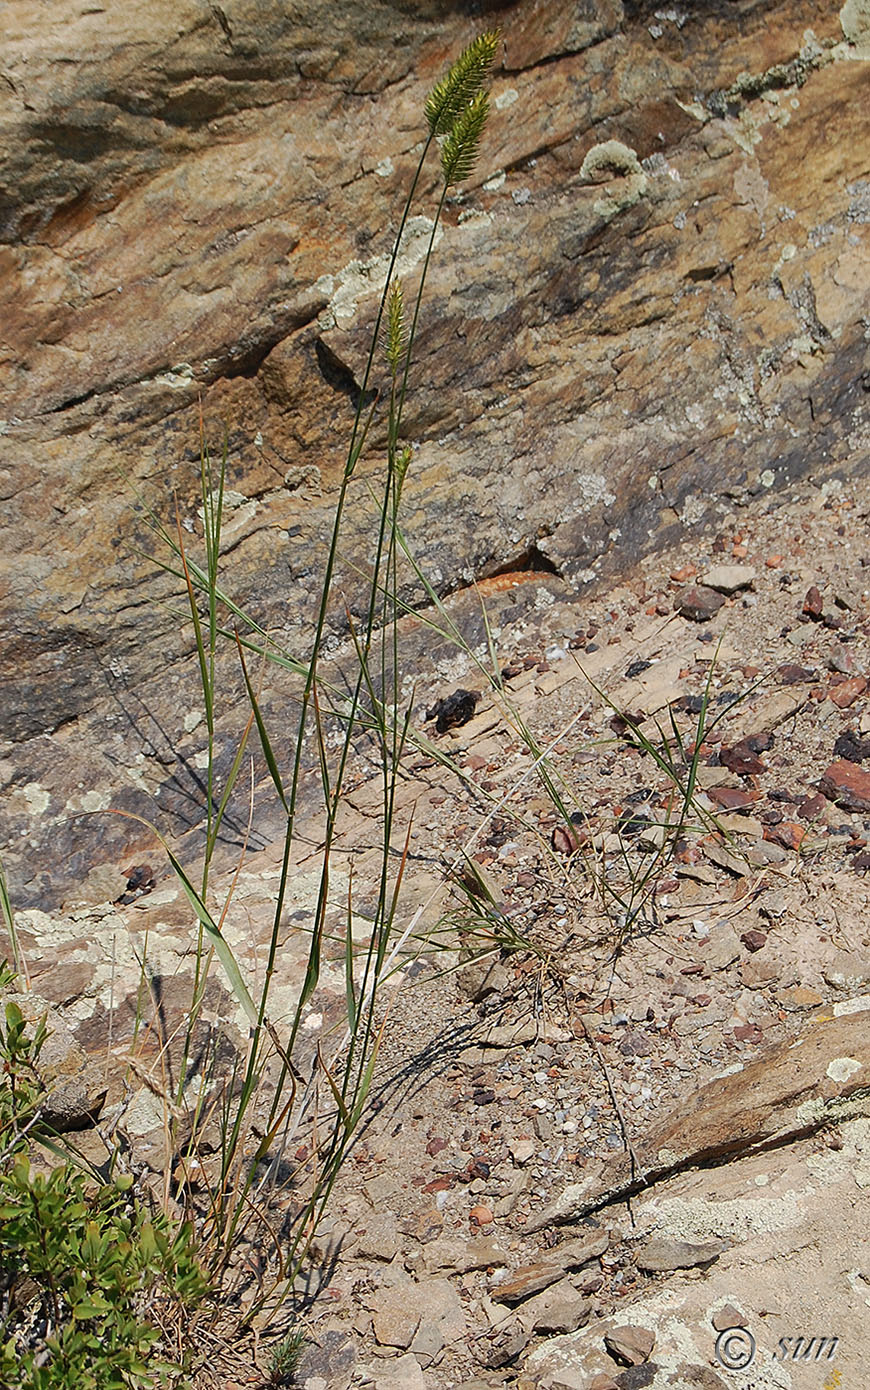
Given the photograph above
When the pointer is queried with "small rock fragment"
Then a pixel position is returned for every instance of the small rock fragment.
(573, 1254)
(524, 1282)
(380, 1238)
(847, 692)
(630, 1345)
(852, 747)
(842, 659)
(480, 1216)
(846, 784)
(726, 1317)
(559, 1309)
(505, 1344)
(522, 1149)
(405, 1373)
(662, 1253)
(813, 603)
(743, 758)
(396, 1316)
(787, 834)
(729, 578)
(799, 997)
(565, 840)
(791, 674)
(732, 798)
(698, 603)
(453, 710)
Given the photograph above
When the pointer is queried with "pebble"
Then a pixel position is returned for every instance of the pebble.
(726, 1317)
(847, 692)
(698, 603)
(847, 784)
(729, 578)
(661, 1254)
(630, 1345)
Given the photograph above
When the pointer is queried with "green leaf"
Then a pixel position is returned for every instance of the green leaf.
(92, 1306)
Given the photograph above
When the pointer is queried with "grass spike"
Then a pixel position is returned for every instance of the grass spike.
(459, 151)
(396, 335)
(449, 97)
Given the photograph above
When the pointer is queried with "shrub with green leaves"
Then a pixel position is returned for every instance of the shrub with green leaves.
(81, 1261)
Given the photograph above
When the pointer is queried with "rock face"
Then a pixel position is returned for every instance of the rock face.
(645, 306)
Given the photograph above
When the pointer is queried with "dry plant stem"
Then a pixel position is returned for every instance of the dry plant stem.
(637, 1170)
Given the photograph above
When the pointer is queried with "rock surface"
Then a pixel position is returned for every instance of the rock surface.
(645, 306)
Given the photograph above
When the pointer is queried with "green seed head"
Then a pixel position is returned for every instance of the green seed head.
(449, 97)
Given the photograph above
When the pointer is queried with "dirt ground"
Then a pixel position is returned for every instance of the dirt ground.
(619, 1135)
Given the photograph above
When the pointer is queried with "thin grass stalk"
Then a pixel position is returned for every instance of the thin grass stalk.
(9, 919)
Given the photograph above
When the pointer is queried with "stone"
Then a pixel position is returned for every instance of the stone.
(396, 1313)
(459, 1255)
(328, 1362)
(799, 997)
(524, 1282)
(378, 1237)
(662, 1253)
(855, 19)
(698, 603)
(728, 1316)
(504, 1344)
(522, 1149)
(847, 784)
(732, 798)
(574, 1254)
(480, 978)
(852, 747)
(787, 833)
(753, 939)
(630, 1345)
(442, 1320)
(846, 692)
(480, 1215)
(559, 1309)
(728, 579)
(404, 1373)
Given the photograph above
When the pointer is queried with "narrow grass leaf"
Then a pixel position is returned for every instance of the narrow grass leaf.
(268, 754)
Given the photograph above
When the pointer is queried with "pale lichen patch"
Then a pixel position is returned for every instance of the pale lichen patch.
(841, 1068)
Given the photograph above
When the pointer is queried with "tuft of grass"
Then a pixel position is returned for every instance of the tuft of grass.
(285, 1358)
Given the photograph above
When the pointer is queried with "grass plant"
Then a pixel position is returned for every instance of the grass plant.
(328, 721)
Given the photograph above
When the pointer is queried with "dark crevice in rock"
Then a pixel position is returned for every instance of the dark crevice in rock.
(531, 560)
(73, 401)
